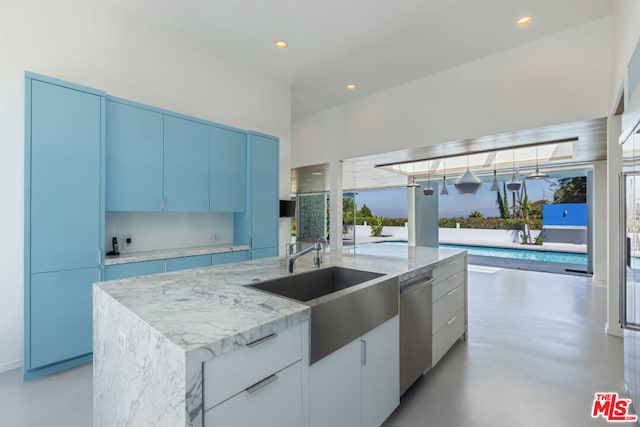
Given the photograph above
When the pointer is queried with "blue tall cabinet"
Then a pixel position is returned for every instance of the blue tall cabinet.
(64, 221)
(258, 225)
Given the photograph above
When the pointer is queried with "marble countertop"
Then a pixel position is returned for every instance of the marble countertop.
(208, 310)
(129, 257)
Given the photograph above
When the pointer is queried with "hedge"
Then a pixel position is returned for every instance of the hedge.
(491, 223)
(486, 223)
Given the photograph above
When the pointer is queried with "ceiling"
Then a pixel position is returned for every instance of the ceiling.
(561, 148)
(374, 44)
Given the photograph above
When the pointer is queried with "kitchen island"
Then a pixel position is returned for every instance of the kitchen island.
(169, 347)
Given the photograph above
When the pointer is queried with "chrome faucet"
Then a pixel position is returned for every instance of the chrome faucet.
(292, 255)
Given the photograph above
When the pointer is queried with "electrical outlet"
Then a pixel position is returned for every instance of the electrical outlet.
(215, 236)
(123, 342)
(128, 241)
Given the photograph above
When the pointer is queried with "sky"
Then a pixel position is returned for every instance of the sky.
(392, 203)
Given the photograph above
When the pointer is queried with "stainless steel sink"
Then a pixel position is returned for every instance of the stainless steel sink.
(307, 286)
(345, 303)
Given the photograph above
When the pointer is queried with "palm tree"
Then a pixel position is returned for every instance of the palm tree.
(525, 208)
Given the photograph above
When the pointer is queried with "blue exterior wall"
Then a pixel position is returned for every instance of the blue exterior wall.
(565, 214)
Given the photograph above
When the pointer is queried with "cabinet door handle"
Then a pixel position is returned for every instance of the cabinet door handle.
(452, 320)
(257, 386)
(164, 202)
(261, 340)
(364, 352)
(452, 292)
(452, 276)
(99, 256)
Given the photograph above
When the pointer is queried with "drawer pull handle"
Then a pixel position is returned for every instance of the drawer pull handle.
(452, 262)
(261, 340)
(452, 292)
(452, 320)
(257, 386)
(452, 276)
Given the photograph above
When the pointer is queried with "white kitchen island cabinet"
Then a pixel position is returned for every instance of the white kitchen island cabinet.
(357, 385)
(449, 321)
(257, 384)
(200, 348)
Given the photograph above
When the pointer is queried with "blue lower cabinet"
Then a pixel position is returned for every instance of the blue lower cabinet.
(175, 264)
(264, 253)
(124, 271)
(61, 316)
(229, 257)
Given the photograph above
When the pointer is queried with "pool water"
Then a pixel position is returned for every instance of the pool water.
(521, 254)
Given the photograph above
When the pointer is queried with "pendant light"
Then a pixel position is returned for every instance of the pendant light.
(413, 184)
(495, 186)
(514, 185)
(428, 190)
(468, 183)
(537, 174)
(444, 191)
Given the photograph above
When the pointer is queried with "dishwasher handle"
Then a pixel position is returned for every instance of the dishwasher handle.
(411, 286)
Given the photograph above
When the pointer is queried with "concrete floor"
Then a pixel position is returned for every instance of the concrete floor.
(536, 355)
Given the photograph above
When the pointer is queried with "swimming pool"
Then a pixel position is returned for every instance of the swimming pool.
(521, 254)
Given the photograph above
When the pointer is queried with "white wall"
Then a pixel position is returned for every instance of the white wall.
(625, 36)
(167, 230)
(95, 43)
(562, 78)
(599, 212)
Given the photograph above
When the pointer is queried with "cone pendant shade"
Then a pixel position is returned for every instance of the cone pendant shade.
(445, 190)
(428, 190)
(495, 186)
(468, 183)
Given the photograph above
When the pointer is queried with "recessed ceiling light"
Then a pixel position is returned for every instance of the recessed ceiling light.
(316, 173)
(280, 44)
(351, 87)
(524, 20)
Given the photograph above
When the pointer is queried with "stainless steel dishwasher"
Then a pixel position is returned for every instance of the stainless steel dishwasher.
(415, 329)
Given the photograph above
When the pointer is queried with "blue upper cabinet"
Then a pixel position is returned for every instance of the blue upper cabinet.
(186, 165)
(228, 170)
(264, 172)
(64, 208)
(134, 158)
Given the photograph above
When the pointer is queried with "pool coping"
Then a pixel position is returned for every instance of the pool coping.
(530, 265)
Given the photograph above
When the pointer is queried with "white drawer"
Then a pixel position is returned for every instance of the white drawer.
(446, 307)
(449, 267)
(447, 336)
(446, 285)
(229, 374)
(277, 401)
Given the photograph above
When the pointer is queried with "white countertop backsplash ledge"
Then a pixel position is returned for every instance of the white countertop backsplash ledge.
(129, 257)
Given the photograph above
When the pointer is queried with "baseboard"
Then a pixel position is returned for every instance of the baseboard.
(10, 366)
(616, 331)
